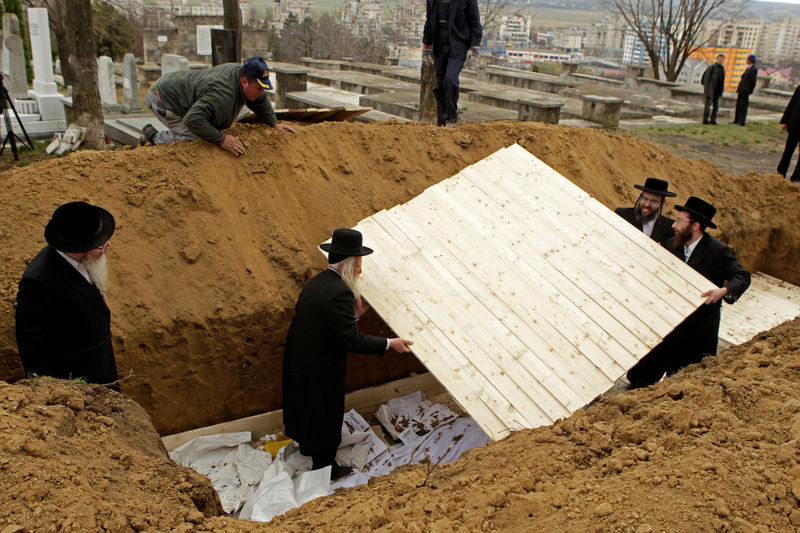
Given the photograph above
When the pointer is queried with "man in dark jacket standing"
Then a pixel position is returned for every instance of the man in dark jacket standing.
(790, 122)
(62, 320)
(697, 335)
(746, 87)
(197, 104)
(451, 28)
(713, 85)
(321, 334)
(646, 213)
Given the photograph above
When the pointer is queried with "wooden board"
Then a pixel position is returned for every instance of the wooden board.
(525, 297)
(320, 114)
(767, 303)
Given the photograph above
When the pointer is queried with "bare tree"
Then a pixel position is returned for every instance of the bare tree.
(492, 12)
(670, 30)
(86, 104)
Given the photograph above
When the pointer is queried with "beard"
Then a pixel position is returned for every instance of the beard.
(640, 217)
(97, 267)
(681, 237)
(350, 278)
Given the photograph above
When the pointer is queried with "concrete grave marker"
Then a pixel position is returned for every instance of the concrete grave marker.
(172, 62)
(105, 80)
(51, 105)
(130, 83)
(13, 58)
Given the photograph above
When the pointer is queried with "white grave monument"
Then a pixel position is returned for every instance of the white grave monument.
(45, 91)
(15, 79)
(105, 81)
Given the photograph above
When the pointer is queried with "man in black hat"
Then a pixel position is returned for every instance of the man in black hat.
(790, 123)
(197, 104)
(62, 320)
(452, 27)
(646, 213)
(321, 334)
(746, 87)
(696, 336)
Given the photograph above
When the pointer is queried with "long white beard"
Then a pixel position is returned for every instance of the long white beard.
(350, 278)
(97, 267)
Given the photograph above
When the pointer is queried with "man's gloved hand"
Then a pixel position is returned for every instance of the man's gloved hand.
(427, 52)
(475, 51)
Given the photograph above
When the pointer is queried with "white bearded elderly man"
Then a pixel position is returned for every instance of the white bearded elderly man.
(322, 332)
(62, 320)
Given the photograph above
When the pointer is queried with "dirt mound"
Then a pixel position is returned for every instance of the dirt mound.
(211, 250)
(83, 458)
(713, 447)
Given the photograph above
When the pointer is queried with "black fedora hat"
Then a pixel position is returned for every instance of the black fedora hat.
(346, 243)
(77, 227)
(656, 186)
(701, 210)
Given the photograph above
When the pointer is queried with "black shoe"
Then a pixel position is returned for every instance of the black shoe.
(705, 122)
(148, 132)
(338, 472)
(713, 122)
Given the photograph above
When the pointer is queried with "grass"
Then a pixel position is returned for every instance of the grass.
(766, 134)
(26, 157)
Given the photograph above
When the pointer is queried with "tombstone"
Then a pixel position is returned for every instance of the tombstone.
(633, 71)
(130, 84)
(172, 62)
(223, 46)
(537, 111)
(601, 109)
(58, 66)
(288, 80)
(51, 105)
(483, 62)
(427, 100)
(105, 81)
(15, 80)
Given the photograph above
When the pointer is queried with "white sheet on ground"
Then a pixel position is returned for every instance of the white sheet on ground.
(262, 487)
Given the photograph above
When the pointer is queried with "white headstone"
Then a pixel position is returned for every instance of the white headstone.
(39, 29)
(172, 62)
(16, 81)
(130, 82)
(204, 38)
(105, 80)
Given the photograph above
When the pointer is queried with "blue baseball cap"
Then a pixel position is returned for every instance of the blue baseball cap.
(258, 69)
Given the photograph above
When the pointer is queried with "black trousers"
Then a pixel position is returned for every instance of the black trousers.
(711, 102)
(742, 103)
(447, 67)
(786, 159)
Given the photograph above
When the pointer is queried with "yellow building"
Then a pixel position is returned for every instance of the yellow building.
(735, 62)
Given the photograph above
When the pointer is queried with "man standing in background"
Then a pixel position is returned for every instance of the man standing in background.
(713, 85)
(746, 87)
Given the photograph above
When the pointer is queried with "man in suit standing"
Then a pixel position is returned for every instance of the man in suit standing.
(321, 334)
(713, 85)
(62, 320)
(451, 28)
(790, 122)
(646, 213)
(696, 336)
(746, 87)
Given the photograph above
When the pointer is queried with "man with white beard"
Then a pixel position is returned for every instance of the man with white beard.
(62, 320)
(646, 214)
(321, 334)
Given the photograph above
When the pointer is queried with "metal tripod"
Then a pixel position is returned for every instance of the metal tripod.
(11, 137)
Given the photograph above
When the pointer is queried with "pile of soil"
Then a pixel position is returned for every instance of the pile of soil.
(211, 250)
(715, 447)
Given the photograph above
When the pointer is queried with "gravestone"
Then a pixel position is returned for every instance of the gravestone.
(223, 46)
(130, 84)
(105, 81)
(172, 62)
(15, 80)
(51, 105)
(427, 100)
(288, 80)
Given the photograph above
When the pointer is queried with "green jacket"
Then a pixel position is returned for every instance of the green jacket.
(210, 100)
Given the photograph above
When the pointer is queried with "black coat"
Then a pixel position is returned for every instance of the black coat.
(464, 24)
(713, 81)
(748, 82)
(321, 334)
(63, 323)
(662, 231)
(791, 116)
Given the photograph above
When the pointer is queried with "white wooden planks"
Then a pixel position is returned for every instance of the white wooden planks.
(525, 297)
(767, 303)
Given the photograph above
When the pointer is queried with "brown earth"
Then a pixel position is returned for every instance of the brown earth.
(211, 250)
(714, 448)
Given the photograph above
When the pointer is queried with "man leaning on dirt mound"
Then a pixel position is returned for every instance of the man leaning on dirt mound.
(197, 104)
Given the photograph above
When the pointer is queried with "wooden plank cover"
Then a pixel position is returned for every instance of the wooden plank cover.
(767, 303)
(524, 296)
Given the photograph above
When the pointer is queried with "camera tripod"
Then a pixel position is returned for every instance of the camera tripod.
(11, 137)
